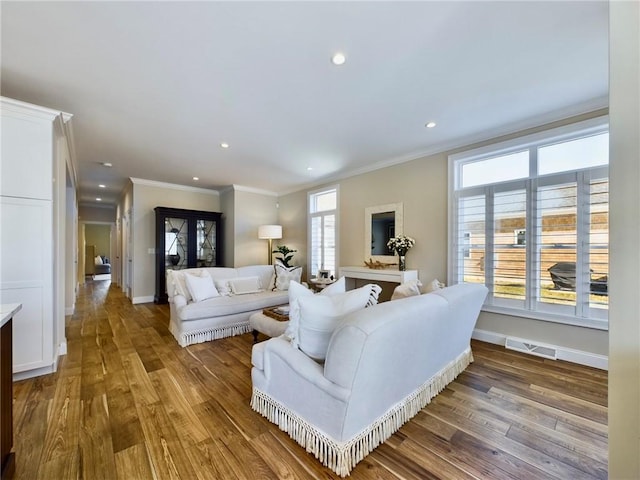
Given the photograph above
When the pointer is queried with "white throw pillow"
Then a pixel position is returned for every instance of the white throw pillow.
(201, 287)
(319, 315)
(407, 289)
(434, 285)
(223, 286)
(242, 285)
(284, 276)
(180, 284)
(98, 260)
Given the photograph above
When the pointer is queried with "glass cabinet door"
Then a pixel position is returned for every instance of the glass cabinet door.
(206, 243)
(176, 243)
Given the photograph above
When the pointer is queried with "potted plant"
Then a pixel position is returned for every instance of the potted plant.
(286, 252)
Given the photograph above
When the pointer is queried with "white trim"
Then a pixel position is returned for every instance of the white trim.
(174, 186)
(62, 349)
(146, 299)
(70, 310)
(259, 191)
(36, 372)
(29, 109)
(593, 125)
(564, 353)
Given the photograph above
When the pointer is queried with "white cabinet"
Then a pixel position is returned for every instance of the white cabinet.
(28, 166)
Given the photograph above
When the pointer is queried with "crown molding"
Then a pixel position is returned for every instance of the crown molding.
(592, 106)
(259, 191)
(31, 110)
(173, 186)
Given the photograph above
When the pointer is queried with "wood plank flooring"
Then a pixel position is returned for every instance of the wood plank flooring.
(128, 403)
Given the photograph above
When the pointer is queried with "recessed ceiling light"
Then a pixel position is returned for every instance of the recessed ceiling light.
(338, 59)
(224, 145)
(107, 164)
(196, 178)
(309, 168)
(102, 186)
(430, 124)
(98, 199)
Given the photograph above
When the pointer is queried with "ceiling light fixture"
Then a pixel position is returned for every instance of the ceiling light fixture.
(338, 59)
(224, 145)
(196, 178)
(107, 164)
(309, 168)
(430, 124)
(102, 186)
(98, 199)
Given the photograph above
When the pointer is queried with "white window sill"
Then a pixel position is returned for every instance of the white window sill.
(549, 317)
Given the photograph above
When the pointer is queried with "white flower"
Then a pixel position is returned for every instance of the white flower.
(401, 244)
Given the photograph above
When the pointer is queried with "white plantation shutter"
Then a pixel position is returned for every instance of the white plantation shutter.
(508, 260)
(599, 243)
(323, 231)
(557, 241)
(471, 240)
(540, 243)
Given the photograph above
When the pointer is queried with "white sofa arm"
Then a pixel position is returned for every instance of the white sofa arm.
(178, 300)
(299, 365)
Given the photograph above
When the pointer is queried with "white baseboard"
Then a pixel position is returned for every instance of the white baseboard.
(568, 354)
(62, 348)
(136, 300)
(36, 372)
(69, 310)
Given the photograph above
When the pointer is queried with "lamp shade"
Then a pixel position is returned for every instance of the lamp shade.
(270, 231)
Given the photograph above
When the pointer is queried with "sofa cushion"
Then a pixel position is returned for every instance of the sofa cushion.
(201, 286)
(229, 305)
(319, 315)
(244, 285)
(284, 276)
(407, 289)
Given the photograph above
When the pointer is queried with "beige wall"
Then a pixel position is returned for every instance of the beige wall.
(145, 199)
(228, 219)
(292, 215)
(624, 286)
(251, 210)
(97, 214)
(100, 236)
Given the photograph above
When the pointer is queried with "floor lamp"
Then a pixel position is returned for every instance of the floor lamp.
(270, 232)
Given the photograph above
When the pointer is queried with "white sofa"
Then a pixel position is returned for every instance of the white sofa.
(383, 365)
(224, 315)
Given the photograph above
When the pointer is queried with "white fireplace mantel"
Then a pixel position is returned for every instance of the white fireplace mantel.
(380, 275)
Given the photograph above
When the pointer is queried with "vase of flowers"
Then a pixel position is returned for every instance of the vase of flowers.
(401, 244)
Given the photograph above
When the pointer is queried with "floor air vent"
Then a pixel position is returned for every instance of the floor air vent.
(531, 348)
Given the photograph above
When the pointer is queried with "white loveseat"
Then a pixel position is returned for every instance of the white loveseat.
(224, 315)
(383, 364)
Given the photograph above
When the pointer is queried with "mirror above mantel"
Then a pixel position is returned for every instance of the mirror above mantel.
(381, 223)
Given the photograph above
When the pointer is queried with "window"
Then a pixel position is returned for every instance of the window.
(323, 221)
(529, 218)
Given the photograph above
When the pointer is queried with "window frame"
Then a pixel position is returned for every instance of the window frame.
(321, 214)
(531, 307)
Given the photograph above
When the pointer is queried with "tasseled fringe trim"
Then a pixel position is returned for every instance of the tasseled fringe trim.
(342, 457)
(200, 336)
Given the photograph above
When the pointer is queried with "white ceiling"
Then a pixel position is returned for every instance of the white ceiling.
(155, 87)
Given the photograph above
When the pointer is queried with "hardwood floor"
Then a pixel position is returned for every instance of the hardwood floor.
(128, 403)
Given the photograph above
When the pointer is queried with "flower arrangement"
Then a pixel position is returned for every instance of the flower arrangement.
(400, 244)
(286, 252)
